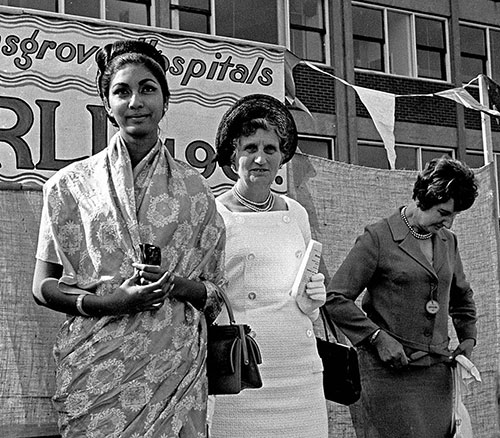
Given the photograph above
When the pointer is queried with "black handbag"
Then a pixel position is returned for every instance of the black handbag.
(341, 381)
(233, 357)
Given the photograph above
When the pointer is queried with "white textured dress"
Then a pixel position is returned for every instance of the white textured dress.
(263, 254)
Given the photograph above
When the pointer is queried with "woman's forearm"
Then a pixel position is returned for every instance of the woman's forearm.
(189, 290)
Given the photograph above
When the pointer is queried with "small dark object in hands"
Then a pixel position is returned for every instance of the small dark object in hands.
(150, 254)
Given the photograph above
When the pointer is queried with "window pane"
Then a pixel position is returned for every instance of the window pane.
(41, 5)
(430, 64)
(318, 147)
(255, 20)
(430, 33)
(367, 22)
(368, 38)
(373, 156)
(368, 55)
(128, 12)
(89, 8)
(474, 160)
(399, 43)
(471, 67)
(307, 45)
(201, 4)
(429, 154)
(193, 22)
(495, 55)
(473, 40)
(307, 13)
(406, 158)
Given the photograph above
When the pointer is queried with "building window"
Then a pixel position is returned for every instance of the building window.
(41, 5)
(480, 52)
(129, 11)
(431, 48)
(400, 43)
(89, 8)
(319, 146)
(473, 52)
(368, 38)
(123, 11)
(300, 25)
(307, 29)
(191, 15)
(408, 157)
(255, 20)
(494, 55)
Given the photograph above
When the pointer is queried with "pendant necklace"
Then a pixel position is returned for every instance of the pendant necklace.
(258, 207)
(412, 231)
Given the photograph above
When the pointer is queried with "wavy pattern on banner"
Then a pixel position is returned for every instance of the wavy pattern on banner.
(203, 99)
(60, 27)
(47, 83)
(25, 178)
(248, 51)
(182, 42)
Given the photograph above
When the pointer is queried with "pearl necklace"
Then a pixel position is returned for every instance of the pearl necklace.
(259, 207)
(412, 231)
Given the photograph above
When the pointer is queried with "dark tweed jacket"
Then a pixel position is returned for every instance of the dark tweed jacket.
(388, 262)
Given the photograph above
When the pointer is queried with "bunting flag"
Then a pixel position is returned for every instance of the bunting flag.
(462, 96)
(291, 60)
(381, 105)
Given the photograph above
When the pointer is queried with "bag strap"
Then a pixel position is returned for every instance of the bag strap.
(241, 327)
(230, 313)
(327, 321)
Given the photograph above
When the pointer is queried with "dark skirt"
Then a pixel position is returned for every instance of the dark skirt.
(415, 402)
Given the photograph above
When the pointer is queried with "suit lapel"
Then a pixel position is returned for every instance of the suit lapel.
(401, 234)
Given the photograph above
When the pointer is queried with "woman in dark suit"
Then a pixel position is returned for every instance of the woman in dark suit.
(410, 266)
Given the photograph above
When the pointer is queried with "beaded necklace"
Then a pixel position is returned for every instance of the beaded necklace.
(412, 231)
(259, 207)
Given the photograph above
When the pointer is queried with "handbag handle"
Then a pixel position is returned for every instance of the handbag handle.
(230, 313)
(241, 328)
(327, 321)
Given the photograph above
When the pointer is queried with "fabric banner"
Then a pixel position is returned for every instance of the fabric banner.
(342, 198)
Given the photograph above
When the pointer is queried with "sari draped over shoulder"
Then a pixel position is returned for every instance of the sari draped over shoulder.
(143, 374)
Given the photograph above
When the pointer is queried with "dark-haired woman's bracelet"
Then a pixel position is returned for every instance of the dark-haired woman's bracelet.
(79, 303)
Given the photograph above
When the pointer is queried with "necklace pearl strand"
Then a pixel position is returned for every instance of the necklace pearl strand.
(412, 231)
(258, 207)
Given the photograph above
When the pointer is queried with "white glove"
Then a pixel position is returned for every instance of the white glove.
(313, 297)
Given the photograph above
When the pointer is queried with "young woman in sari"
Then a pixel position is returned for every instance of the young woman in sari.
(131, 354)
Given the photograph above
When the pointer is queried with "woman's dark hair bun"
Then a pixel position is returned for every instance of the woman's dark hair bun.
(110, 51)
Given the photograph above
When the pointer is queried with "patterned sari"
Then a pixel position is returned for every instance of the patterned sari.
(139, 375)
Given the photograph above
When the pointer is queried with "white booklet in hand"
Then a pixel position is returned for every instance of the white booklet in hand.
(308, 267)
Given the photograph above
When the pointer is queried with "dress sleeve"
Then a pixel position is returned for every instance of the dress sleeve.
(350, 280)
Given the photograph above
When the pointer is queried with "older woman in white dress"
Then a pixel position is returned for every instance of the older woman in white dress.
(267, 236)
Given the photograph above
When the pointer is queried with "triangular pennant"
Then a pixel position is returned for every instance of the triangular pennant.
(381, 107)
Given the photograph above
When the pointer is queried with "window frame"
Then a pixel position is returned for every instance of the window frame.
(313, 137)
(413, 68)
(167, 16)
(324, 33)
(489, 58)
(418, 147)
